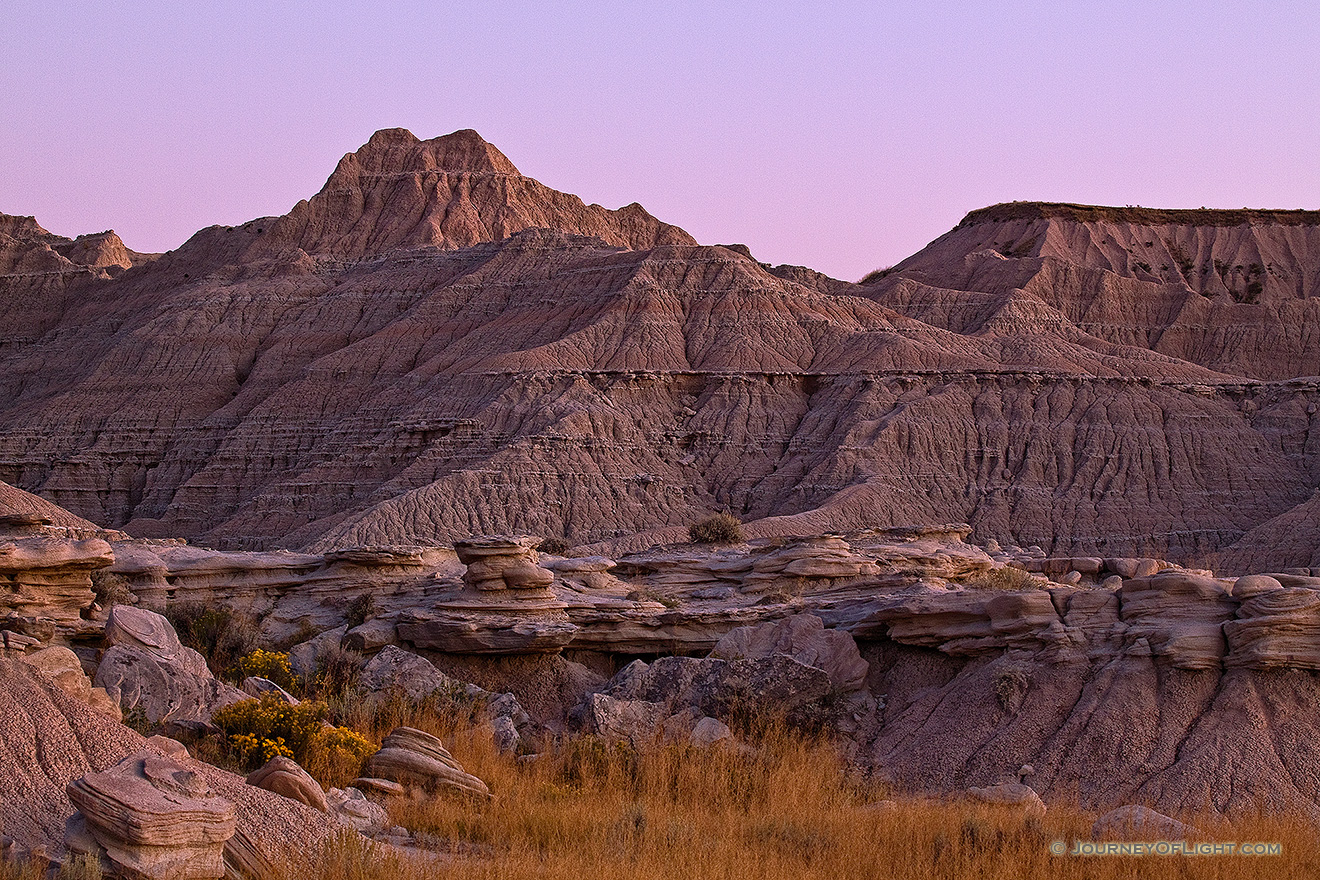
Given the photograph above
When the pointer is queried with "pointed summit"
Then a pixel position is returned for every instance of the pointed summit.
(455, 191)
(398, 150)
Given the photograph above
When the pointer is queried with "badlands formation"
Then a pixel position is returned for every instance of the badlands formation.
(1028, 517)
(435, 346)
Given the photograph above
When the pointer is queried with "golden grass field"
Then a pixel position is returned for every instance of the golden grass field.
(789, 811)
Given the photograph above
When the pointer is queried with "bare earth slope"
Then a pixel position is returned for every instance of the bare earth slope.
(435, 346)
(1234, 291)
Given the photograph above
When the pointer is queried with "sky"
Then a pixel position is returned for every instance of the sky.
(840, 136)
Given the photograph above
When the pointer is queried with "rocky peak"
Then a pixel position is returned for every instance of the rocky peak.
(27, 248)
(399, 151)
(98, 250)
(449, 192)
(17, 226)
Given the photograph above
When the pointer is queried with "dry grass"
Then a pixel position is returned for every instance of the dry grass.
(1004, 577)
(722, 528)
(790, 810)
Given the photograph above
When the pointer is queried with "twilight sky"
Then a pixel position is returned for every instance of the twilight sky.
(842, 137)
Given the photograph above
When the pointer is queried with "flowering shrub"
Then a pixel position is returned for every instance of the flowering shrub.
(270, 665)
(342, 739)
(257, 730)
(255, 751)
(260, 729)
(336, 755)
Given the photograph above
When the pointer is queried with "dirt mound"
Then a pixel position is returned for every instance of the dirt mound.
(16, 502)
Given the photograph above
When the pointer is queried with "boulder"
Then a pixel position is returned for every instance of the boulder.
(148, 670)
(150, 632)
(352, 809)
(1011, 794)
(60, 665)
(505, 735)
(668, 698)
(382, 788)
(170, 748)
(634, 721)
(804, 638)
(709, 731)
(416, 759)
(305, 657)
(396, 669)
(152, 818)
(1135, 822)
(418, 678)
(1249, 586)
(284, 777)
(371, 636)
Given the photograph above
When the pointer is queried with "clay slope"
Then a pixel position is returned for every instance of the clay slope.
(17, 504)
(369, 370)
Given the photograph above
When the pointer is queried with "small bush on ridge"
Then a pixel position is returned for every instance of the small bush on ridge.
(722, 528)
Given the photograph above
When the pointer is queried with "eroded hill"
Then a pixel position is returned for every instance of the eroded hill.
(436, 346)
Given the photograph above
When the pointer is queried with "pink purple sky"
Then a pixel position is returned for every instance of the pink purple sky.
(843, 137)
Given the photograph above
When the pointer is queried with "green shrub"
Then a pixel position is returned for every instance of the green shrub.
(1010, 687)
(554, 546)
(111, 589)
(336, 675)
(722, 528)
(359, 610)
(215, 632)
(1003, 578)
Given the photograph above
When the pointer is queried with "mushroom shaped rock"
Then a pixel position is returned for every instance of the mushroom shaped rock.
(152, 818)
(503, 563)
(506, 606)
(417, 759)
